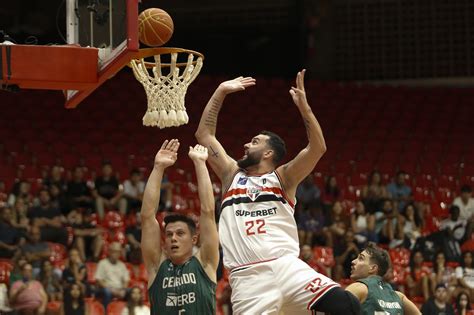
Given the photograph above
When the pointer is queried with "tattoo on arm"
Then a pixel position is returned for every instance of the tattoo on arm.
(307, 126)
(211, 119)
(214, 152)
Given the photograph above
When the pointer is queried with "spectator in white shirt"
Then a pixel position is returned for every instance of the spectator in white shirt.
(133, 189)
(455, 225)
(465, 202)
(112, 275)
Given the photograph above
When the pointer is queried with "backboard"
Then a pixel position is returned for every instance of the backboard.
(111, 26)
(102, 37)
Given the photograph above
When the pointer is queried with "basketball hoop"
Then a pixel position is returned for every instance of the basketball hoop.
(165, 90)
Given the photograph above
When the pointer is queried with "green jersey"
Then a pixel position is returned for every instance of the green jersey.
(381, 299)
(182, 289)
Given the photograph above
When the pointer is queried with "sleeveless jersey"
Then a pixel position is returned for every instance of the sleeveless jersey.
(381, 299)
(182, 289)
(256, 222)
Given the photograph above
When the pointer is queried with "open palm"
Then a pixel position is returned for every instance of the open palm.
(168, 153)
(197, 153)
(237, 84)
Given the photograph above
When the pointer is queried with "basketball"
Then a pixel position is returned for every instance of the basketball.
(155, 27)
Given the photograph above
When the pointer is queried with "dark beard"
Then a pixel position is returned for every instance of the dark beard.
(251, 160)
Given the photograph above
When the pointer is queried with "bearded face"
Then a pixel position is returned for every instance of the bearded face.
(250, 159)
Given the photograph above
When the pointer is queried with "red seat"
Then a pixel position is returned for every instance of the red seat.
(53, 307)
(116, 307)
(95, 307)
(324, 255)
(400, 256)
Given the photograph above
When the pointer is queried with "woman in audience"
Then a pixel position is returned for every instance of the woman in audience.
(465, 274)
(374, 192)
(410, 225)
(50, 282)
(75, 272)
(463, 304)
(363, 225)
(337, 224)
(417, 279)
(20, 219)
(331, 192)
(21, 190)
(135, 305)
(74, 301)
(442, 274)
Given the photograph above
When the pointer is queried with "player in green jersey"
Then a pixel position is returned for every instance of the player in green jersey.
(178, 281)
(376, 296)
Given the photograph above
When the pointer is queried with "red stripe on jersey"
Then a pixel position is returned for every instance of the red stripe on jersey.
(320, 294)
(243, 191)
(253, 263)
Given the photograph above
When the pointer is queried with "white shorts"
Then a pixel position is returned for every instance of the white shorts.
(285, 284)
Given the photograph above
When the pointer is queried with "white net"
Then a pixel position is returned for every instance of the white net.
(166, 90)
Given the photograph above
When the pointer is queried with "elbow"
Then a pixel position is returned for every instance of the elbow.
(201, 134)
(323, 148)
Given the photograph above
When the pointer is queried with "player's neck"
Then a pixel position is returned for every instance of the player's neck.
(260, 169)
(181, 260)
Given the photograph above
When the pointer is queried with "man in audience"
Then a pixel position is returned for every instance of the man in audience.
(48, 219)
(439, 304)
(107, 193)
(344, 254)
(133, 189)
(78, 193)
(112, 275)
(399, 191)
(455, 225)
(465, 202)
(27, 296)
(10, 237)
(35, 250)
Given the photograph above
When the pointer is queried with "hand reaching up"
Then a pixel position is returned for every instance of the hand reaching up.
(198, 153)
(168, 153)
(236, 85)
(298, 93)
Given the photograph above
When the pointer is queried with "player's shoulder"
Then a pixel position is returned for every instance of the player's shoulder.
(359, 289)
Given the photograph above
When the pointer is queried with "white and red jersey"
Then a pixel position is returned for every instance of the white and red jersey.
(256, 222)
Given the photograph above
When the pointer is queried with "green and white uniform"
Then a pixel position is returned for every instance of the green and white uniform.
(182, 289)
(381, 299)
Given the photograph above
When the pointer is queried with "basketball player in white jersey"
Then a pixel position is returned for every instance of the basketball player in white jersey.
(257, 229)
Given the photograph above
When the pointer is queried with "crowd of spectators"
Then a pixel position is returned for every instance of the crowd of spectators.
(97, 223)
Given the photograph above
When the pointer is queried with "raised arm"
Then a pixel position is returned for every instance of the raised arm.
(209, 252)
(222, 164)
(151, 233)
(297, 169)
(409, 308)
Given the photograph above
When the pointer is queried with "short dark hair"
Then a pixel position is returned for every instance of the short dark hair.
(181, 218)
(277, 144)
(466, 189)
(135, 171)
(380, 257)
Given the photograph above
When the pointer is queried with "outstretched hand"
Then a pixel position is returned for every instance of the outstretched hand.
(168, 153)
(298, 93)
(198, 153)
(236, 85)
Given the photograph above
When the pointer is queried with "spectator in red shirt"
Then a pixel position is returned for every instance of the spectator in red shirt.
(418, 278)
